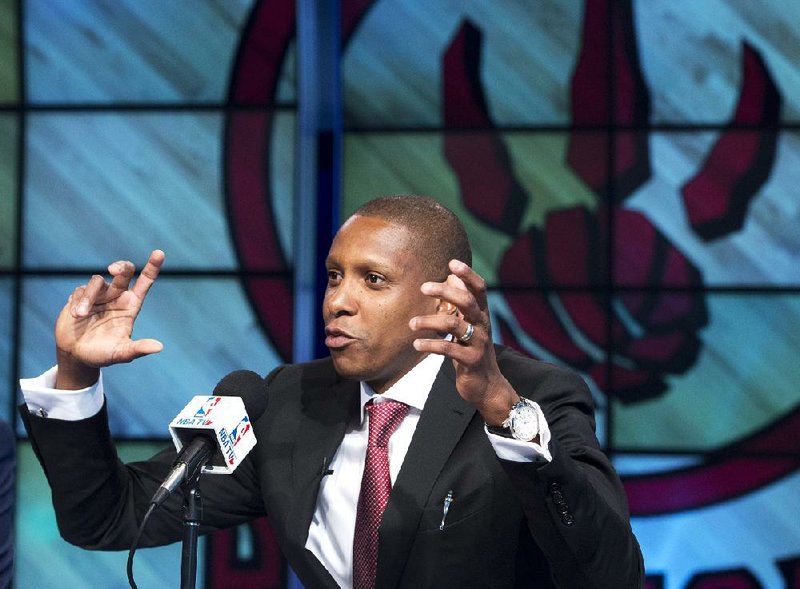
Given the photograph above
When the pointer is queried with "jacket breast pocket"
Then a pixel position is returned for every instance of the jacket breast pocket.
(454, 502)
(450, 547)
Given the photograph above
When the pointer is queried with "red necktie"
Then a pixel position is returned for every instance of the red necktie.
(375, 487)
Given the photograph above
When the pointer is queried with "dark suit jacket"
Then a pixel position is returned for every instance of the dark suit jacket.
(558, 524)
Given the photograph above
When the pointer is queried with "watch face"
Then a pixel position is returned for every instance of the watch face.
(525, 423)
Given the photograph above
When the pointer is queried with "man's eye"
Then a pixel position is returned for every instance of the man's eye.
(333, 275)
(374, 278)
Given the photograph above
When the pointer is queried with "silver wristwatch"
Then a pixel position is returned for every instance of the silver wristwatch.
(522, 422)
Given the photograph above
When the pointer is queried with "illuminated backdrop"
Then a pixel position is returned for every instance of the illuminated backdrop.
(627, 172)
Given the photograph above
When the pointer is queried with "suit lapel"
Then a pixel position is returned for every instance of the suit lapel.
(441, 425)
(325, 414)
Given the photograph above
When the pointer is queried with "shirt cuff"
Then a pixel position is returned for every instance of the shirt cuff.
(43, 399)
(519, 451)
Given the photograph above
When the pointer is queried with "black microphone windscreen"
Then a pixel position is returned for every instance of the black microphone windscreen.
(249, 386)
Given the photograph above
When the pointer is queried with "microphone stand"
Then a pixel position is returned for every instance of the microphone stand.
(192, 514)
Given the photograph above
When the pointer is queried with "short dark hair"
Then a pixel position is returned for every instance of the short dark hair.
(437, 233)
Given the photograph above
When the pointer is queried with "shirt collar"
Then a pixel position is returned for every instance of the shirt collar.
(412, 388)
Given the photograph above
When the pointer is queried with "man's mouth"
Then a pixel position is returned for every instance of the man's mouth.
(337, 339)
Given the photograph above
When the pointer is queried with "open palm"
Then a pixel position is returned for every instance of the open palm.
(95, 326)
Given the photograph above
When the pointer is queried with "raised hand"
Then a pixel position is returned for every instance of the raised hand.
(478, 378)
(94, 328)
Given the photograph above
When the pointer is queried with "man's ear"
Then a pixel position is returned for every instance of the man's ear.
(446, 307)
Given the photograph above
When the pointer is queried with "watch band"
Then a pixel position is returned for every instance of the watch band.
(499, 430)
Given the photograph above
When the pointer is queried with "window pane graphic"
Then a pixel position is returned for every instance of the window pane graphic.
(102, 187)
(124, 52)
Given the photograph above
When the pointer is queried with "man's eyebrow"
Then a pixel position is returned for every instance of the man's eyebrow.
(371, 263)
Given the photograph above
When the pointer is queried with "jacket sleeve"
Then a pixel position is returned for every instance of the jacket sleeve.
(575, 506)
(100, 502)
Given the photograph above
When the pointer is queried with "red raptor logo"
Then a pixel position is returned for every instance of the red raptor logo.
(640, 321)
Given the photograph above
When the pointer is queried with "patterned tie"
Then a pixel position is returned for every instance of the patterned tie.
(375, 487)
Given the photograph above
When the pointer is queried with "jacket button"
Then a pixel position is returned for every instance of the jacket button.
(555, 488)
(567, 519)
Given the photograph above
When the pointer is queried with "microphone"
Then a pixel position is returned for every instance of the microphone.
(214, 433)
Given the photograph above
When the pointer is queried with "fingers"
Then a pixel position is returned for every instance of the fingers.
(472, 280)
(122, 273)
(464, 288)
(470, 327)
(467, 351)
(452, 324)
(98, 292)
(149, 274)
(84, 296)
(456, 282)
(464, 300)
(466, 356)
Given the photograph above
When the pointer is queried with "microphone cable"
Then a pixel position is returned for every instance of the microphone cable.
(136, 539)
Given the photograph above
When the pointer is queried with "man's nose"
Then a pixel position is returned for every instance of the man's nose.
(340, 300)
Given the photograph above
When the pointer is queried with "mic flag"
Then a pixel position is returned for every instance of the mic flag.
(222, 419)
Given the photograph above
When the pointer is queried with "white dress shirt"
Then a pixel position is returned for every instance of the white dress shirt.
(330, 536)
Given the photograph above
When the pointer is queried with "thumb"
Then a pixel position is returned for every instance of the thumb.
(143, 347)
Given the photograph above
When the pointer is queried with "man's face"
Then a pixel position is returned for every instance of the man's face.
(372, 293)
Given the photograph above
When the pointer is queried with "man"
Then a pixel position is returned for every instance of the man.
(474, 502)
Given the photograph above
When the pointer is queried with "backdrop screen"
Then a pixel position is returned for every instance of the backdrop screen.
(627, 171)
